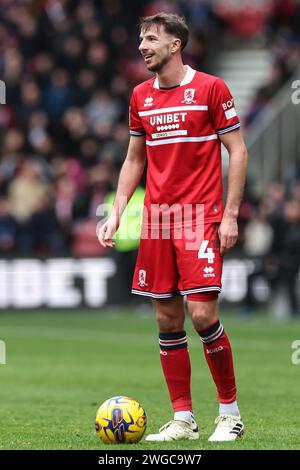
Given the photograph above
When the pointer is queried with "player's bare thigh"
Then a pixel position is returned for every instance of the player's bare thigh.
(203, 314)
(169, 314)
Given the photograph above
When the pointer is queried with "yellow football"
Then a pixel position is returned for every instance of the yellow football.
(120, 420)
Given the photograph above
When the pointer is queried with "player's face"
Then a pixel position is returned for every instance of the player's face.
(156, 47)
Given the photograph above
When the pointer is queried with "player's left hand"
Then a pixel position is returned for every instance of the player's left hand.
(228, 233)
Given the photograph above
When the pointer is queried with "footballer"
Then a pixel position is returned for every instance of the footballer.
(178, 120)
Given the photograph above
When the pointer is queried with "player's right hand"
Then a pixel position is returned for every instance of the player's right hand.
(107, 231)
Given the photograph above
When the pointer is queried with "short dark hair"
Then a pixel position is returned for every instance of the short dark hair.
(173, 24)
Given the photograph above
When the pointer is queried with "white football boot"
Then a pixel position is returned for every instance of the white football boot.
(174, 431)
(229, 428)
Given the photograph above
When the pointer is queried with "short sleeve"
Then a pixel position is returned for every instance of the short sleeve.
(221, 108)
(135, 124)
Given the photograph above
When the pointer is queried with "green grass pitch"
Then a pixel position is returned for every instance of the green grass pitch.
(61, 366)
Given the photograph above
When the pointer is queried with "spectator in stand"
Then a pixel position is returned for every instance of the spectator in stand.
(8, 228)
(30, 198)
(258, 234)
(85, 211)
(290, 253)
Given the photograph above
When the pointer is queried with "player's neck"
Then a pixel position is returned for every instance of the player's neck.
(171, 75)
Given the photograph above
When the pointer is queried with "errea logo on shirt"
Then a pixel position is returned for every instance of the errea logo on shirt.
(209, 271)
(148, 101)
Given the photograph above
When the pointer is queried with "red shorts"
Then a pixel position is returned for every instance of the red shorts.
(185, 262)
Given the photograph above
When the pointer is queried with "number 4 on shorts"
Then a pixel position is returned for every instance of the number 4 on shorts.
(205, 252)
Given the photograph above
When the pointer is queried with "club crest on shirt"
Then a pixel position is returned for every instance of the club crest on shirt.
(189, 95)
(142, 278)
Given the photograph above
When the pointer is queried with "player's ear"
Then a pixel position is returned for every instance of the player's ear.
(176, 45)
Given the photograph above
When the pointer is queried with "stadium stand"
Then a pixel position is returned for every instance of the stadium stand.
(69, 67)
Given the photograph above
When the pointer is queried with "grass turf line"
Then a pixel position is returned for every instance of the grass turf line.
(62, 366)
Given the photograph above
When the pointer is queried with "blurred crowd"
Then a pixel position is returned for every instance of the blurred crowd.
(282, 37)
(69, 67)
(270, 232)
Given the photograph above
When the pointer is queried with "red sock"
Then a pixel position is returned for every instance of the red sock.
(175, 361)
(218, 355)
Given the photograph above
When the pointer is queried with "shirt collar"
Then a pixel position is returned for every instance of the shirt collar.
(189, 75)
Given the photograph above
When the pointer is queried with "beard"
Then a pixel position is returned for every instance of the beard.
(156, 67)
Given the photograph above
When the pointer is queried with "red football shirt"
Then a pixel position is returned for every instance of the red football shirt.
(181, 126)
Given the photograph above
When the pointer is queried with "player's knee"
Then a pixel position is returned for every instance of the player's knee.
(202, 316)
(167, 323)
(169, 314)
